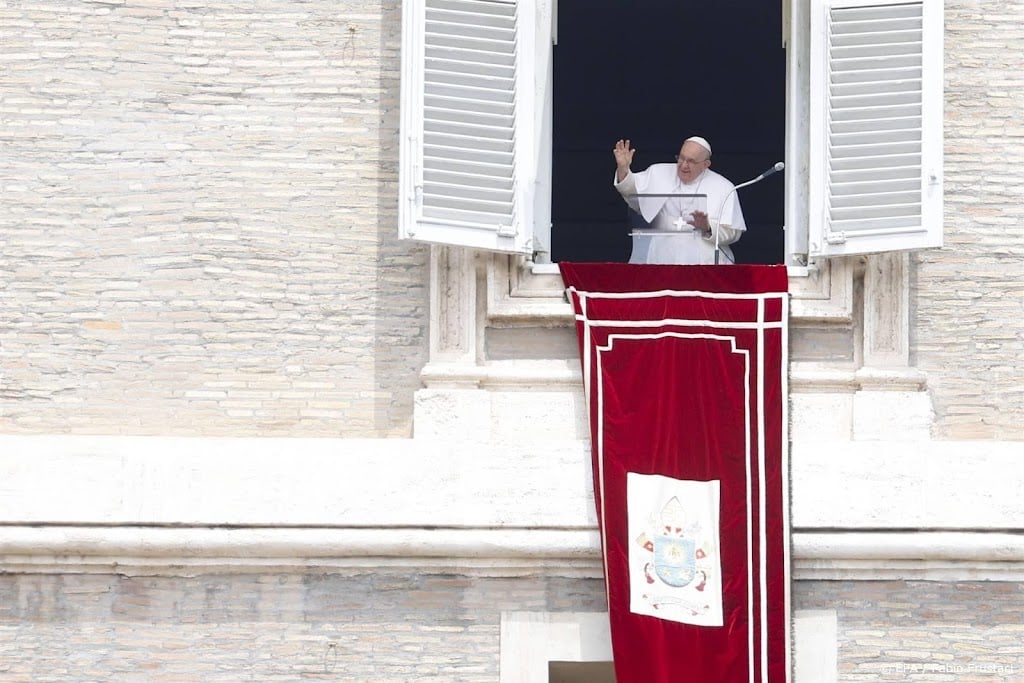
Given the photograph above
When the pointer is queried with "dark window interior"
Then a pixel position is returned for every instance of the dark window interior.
(656, 72)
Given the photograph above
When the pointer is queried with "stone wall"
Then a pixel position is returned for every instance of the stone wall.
(376, 626)
(200, 211)
(200, 220)
(397, 626)
(968, 318)
(969, 632)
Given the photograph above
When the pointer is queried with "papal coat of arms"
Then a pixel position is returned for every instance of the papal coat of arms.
(674, 565)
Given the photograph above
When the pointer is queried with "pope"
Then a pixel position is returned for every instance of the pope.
(705, 208)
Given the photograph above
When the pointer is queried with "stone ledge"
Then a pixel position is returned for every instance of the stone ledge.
(940, 556)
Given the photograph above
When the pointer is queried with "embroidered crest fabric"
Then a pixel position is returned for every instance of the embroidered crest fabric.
(685, 376)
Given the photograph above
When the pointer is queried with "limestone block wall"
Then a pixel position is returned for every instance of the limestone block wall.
(968, 631)
(374, 625)
(402, 625)
(199, 220)
(968, 316)
(199, 207)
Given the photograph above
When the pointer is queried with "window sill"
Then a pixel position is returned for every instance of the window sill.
(533, 293)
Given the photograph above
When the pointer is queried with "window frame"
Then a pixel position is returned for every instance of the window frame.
(530, 237)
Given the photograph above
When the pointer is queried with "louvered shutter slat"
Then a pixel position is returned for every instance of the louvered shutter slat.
(445, 69)
(474, 61)
(849, 150)
(859, 189)
(468, 123)
(884, 75)
(876, 113)
(439, 107)
(880, 86)
(456, 148)
(865, 138)
(853, 177)
(456, 178)
(906, 164)
(876, 124)
(867, 62)
(873, 101)
(875, 205)
(484, 166)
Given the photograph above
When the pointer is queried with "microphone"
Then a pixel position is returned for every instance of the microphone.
(774, 169)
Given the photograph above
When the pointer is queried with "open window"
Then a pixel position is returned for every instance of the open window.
(861, 122)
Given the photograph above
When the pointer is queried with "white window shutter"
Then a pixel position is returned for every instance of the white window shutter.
(875, 126)
(468, 104)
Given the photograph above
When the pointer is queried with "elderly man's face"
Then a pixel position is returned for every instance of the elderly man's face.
(691, 162)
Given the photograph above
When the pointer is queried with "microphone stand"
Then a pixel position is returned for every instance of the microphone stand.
(774, 169)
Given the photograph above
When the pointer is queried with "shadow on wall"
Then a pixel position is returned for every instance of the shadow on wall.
(401, 313)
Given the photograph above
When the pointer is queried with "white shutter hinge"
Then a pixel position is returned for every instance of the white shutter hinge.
(506, 230)
(415, 197)
(417, 186)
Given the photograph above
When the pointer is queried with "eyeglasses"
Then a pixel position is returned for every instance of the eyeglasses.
(691, 162)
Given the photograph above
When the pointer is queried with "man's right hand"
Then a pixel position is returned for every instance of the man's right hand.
(623, 158)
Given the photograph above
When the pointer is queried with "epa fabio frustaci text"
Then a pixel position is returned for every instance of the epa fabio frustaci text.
(951, 668)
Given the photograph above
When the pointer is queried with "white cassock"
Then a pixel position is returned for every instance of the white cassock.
(663, 213)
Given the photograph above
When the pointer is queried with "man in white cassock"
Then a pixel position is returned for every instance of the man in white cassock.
(697, 223)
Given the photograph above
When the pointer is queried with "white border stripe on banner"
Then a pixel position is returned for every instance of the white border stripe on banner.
(762, 508)
(747, 456)
(784, 472)
(690, 322)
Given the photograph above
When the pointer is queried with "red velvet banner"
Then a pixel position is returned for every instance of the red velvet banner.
(684, 371)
